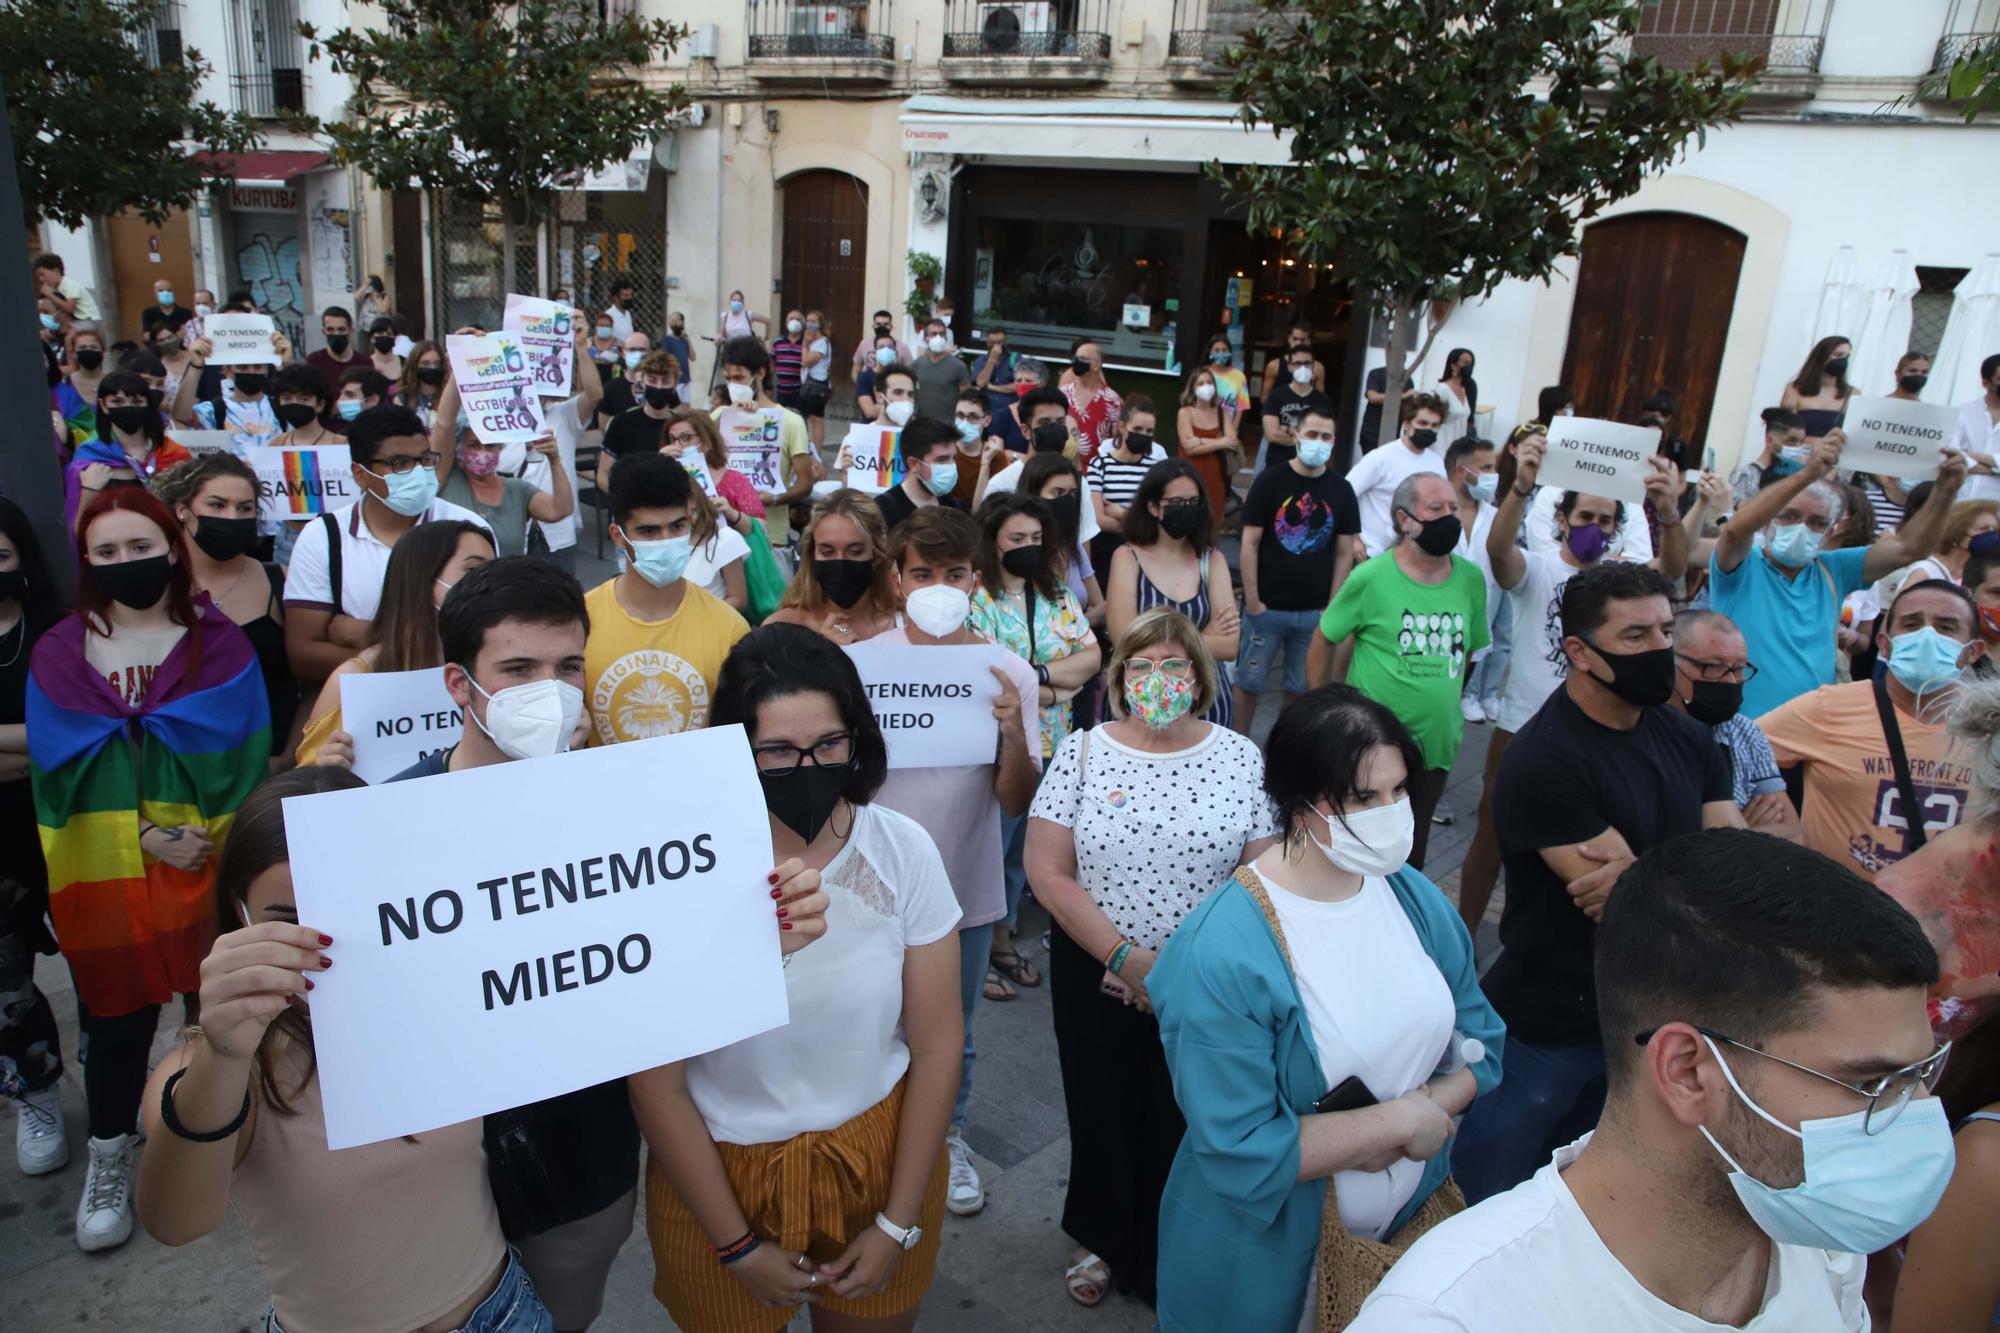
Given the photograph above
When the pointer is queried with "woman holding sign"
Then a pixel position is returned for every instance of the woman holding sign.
(807, 1164)
(401, 1234)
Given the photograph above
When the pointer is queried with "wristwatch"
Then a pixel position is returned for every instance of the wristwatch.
(908, 1237)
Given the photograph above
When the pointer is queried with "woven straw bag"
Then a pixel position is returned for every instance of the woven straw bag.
(1351, 1266)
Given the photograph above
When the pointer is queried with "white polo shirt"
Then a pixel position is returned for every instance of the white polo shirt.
(364, 560)
(1978, 433)
(517, 460)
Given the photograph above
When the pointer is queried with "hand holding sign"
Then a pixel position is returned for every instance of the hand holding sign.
(496, 382)
(548, 330)
(242, 340)
(1607, 458)
(1893, 437)
(250, 976)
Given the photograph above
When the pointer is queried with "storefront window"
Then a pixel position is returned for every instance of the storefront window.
(1050, 283)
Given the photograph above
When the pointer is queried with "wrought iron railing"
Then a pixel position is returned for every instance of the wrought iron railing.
(1953, 45)
(1072, 29)
(1684, 33)
(832, 30)
(266, 56)
(162, 42)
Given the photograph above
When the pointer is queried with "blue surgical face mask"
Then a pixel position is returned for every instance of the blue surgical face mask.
(1862, 1191)
(885, 356)
(1315, 453)
(735, 307)
(411, 493)
(632, 360)
(1924, 659)
(51, 323)
(1793, 545)
(663, 562)
(968, 431)
(349, 408)
(166, 299)
(943, 477)
(1484, 487)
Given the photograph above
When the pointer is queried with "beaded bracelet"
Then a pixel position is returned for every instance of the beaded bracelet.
(737, 1249)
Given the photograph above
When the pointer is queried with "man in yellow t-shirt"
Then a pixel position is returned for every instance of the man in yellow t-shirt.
(767, 443)
(657, 642)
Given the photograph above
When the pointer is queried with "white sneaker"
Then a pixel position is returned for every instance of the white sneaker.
(966, 1195)
(40, 1145)
(1469, 706)
(104, 1214)
(1491, 703)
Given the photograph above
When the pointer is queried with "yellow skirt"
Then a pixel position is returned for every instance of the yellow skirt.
(813, 1193)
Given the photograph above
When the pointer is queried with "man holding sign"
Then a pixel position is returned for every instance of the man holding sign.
(243, 408)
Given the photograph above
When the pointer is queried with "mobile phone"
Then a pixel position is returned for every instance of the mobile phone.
(1351, 1094)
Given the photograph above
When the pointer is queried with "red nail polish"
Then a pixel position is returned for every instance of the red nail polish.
(325, 940)
(324, 961)
(784, 925)
(781, 914)
(776, 894)
(309, 983)
(771, 878)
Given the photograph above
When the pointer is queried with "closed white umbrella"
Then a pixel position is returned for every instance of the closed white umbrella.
(1843, 301)
(1885, 331)
(1971, 334)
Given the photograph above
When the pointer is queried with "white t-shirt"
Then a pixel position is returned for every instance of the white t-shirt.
(364, 561)
(821, 369)
(706, 562)
(1539, 665)
(1007, 478)
(1375, 478)
(1977, 433)
(843, 1050)
(1156, 832)
(621, 321)
(1634, 541)
(1378, 1008)
(517, 460)
(1472, 546)
(1529, 1261)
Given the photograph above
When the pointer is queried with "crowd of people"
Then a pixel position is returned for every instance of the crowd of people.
(1741, 800)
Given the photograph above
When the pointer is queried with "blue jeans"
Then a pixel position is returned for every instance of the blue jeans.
(1263, 637)
(1489, 673)
(1550, 1096)
(974, 946)
(512, 1308)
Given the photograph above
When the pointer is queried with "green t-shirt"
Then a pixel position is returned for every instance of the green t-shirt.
(1411, 644)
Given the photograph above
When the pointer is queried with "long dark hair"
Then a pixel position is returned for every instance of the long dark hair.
(1142, 529)
(776, 661)
(39, 608)
(1037, 473)
(131, 382)
(993, 516)
(1807, 382)
(1471, 384)
(405, 636)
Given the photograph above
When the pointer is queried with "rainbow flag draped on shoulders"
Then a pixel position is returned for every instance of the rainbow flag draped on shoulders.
(133, 928)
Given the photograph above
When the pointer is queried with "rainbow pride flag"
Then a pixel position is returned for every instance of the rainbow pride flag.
(135, 929)
(302, 483)
(888, 458)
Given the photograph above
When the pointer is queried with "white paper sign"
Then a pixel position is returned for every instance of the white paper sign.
(548, 330)
(697, 467)
(396, 718)
(870, 458)
(933, 702)
(522, 930)
(1896, 438)
(756, 441)
(302, 482)
(241, 340)
(1607, 458)
(496, 382)
(199, 442)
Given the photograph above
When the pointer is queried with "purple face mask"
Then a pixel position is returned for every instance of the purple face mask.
(1587, 542)
(479, 462)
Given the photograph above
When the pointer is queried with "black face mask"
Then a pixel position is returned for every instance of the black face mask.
(224, 538)
(659, 397)
(1423, 439)
(337, 342)
(252, 385)
(1440, 535)
(383, 343)
(881, 329)
(1138, 443)
(1912, 383)
(297, 416)
(1068, 509)
(89, 358)
(844, 582)
(1715, 701)
(13, 582)
(129, 419)
(1642, 678)
(1050, 437)
(134, 583)
(1023, 562)
(1837, 367)
(679, 329)
(430, 374)
(1180, 520)
(1079, 367)
(805, 798)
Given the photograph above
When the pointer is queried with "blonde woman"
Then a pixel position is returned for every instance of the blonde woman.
(845, 588)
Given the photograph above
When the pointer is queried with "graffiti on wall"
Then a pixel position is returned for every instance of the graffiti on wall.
(268, 267)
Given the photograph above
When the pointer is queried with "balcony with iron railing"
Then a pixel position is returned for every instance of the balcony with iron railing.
(1048, 41)
(161, 42)
(835, 40)
(1969, 25)
(1787, 35)
(1202, 30)
(266, 57)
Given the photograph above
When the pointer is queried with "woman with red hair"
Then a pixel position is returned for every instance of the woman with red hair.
(147, 726)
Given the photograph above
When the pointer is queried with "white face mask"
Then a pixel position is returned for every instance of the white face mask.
(1371, 842)
(1205, 392)
(938, 609)
(900, 411)
(530, 721)
(793, 325)
(1302, 374)
(742, 393)
(204, 310)
(937, 345)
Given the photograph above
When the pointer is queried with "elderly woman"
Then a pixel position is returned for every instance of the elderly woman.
(1135, 822)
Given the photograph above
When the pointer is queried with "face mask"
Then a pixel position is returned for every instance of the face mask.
(224, 538)
(936, 344)
(1644, 678)
(169, 345)
(1793, 545)
(1483, 487)
(529, 721)
(678, 328)
(1984, 545)
(735, 307)
(1079, 367)
(794, 325)
(297, 416)
(1837, 367)
(885, 356)
(1796, 454)
(844, 582)
(1050, 437)
(348, 408)
(1714, 702)
(131, 420)
(382, 343)
(479, 462)
(1067, 508)
(1219, 358)
(938, 609)
(659, 397)
(51, 323)
(1159, 700)
(1302, 374)
(251, 385)
(1023, 562)
(1586, 541)
(430, 375)
(880, 328)
(943, 477)
(805, 798)
(1423, 439)
(742, 393)
(1439, 536)
(13, 582)
(1138, 443)
(1989, 623)
(1912, 383)
(1924, 658)
(900, 412)
(1180, 521)
(1370, 842)
(944, 318)
(632, 359)
(1861, 1191)
(134, 583)
(1315, 453)
(89, 358)
(337, 342)
(661, 563)
(969, 432)
(411, 493)
(166, 300)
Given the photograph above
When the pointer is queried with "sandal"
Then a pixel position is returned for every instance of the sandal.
(997, 988)
(1088, 1279)
(1010, 964)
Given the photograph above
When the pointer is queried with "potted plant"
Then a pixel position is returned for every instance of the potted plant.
(925, 271)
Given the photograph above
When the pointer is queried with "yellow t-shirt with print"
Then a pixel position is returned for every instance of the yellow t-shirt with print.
(762, 443)
(645, 678)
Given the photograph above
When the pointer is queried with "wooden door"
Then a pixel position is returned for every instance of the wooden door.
(825, 257)
(141, 254)
(1654, 295)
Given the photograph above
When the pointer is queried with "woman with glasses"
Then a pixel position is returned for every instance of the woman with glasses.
(1170, 559)
(807, 1165)
(1136, 821)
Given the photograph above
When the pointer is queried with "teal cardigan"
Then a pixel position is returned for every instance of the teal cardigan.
(1238, 1228)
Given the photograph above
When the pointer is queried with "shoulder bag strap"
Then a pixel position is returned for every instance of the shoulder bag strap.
(1082, 762)
(1253, 884)
(334, 557)
(1913, 814)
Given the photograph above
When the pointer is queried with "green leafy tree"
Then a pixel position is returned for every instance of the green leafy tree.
(97, 127)
(1972, 84)
(1440, 147)
(499, 100)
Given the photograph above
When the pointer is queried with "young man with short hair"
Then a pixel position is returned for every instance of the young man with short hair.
(332, 361)
(657, 642)
(978, 444)
(1784, 453)
(620, 309)
(941, 373)
(243, 406)
(753, 421)
(361, 388)
(1298, 338)
(1376, 476)
(1285, 405)
(1982, 580)
(653, 388)
(993, 376)
(882, 325)
(930, 461)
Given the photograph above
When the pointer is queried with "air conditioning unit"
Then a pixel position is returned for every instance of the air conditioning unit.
(826, 20)
(1003, 23)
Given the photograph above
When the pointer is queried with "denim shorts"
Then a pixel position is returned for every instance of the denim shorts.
(512, 1308)
(1263, 637)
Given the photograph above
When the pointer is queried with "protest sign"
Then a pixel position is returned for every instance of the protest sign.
(756, 440)
(872, 457)
(1607, 458)
(1897, 438)
(496, 384)
(396, 718)
(697, 468)
(240, 340)
(548, 330)
(933, 702)
(299, 483)
(199, 442)
(521, 930)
